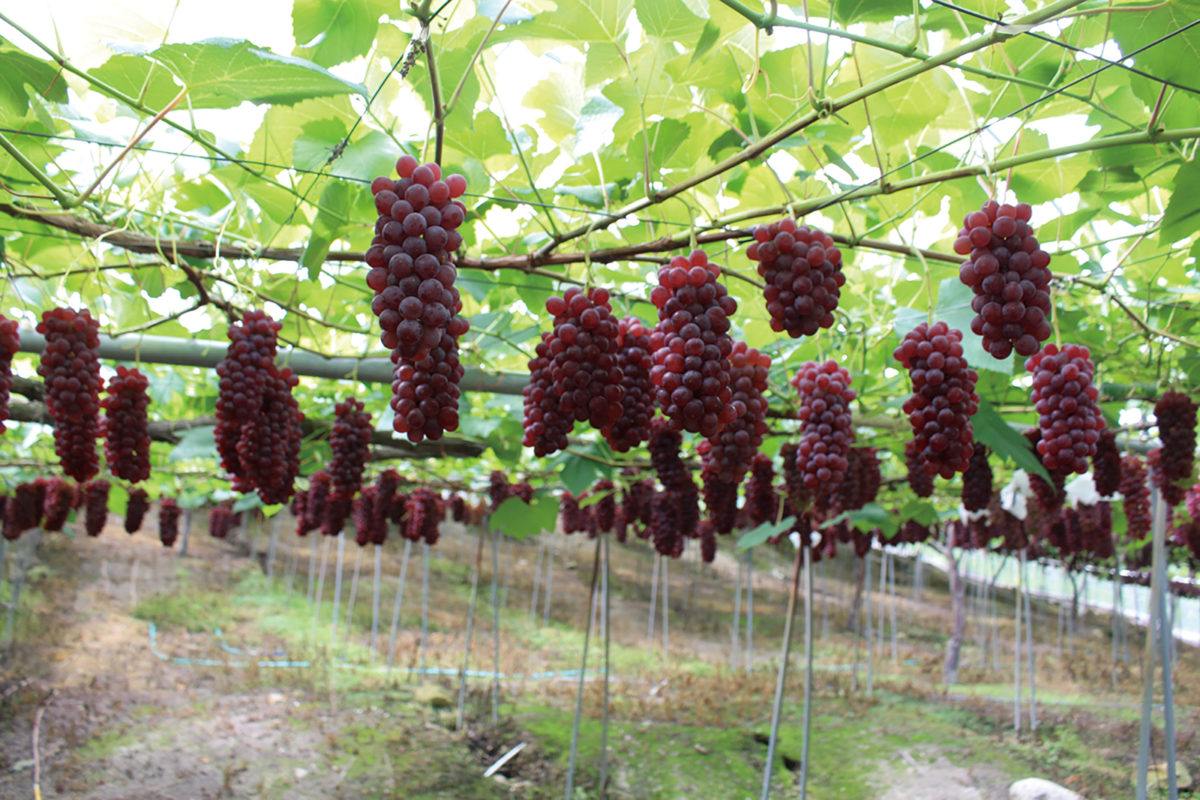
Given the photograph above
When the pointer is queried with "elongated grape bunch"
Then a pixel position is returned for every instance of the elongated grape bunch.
(1172, 493)
(71, 369)
(826, 428)
(862, 481)
(269, 446)
(545, 426)
(604, 511)
(691, 345)
(762, 501)
(920, 481)
(802, 275)
(1106, 464)
(365, 521)
(135, 509)
(1175, 414)
(569, 512)
(1135, 496)
(1010, 277)
(24, 509)
(424, 516)
(96, 506)
(316, 503)
(350, 441)
(386, 487)
(635, 505)
(10, 342)
(126, 425)
(220, 521)
(1065, 398)
(57, 504)
(943, 399)
(708, 542)
(977, 481)
(425, 393)
(168, 521)
(499, 488)
(243, 375)
(410, 258)
(632, 427)
(720, 496)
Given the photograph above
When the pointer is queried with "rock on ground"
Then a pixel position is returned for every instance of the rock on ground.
(1040, 789)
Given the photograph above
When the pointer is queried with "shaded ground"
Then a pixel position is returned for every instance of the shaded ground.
(201, 714)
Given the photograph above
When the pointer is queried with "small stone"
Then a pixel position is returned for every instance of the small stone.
(1039, 789)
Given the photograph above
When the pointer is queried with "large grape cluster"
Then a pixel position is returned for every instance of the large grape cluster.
(1175, 414)
(977, 481)
(71, 369)
(425, 392)
(575, 376)
(802, 275)
(57, 504)
(168, 521)
(135, 509)
(96, 506)
(943, 399)
(1010, 276)
(425, 512)
(126, 426)
(691, 345)
(1135, 496)
(632, 427)
(826, 428)
(350, 441)
(1106, 464)
(1064, 396)
(258, 430)
(410, 258)
(10, 342)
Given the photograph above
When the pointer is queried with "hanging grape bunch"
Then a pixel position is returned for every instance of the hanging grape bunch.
(24, 509)
(1106, 464)
(1009, 275)
(920, 481)
(762, 501)
(691, 345)
(126, 427)
(802, 275)
(674, 511)
(96, 509)
(1135, 496)
(977, 481)
(575, 375)
(350, 441)
(425, 512)
(1175, 415)
(168, 521)
(57, 504)
(71, 369)
(943, 398)
(826, 428)
(632, 427)
(269, 447)
(135, 509)
(425, 392)
(10, 342)
(410, 258)
(1065, 398)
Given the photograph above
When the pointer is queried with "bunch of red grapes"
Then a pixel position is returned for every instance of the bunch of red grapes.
(1135, 496)
(977, 481)
(802, 272)
(1064, 395)
(57, 504)
(424, 516)
(425, 392)
(862, 481)
(220, 521)
(826, 428)
(23, 510)
(1010, 276)
(674, 511)
(762, 502)
(96, 508)
(920, 481)
(575, 375)
(135, 509)
(604, 510)
(71, 369)
(1175, 414)
(126, 425)
(168, 521)
(258, 429)
(316, 503)
(1106, 464)
(351, 444)
(943, 399)
(691, 345)
(634, 359)
(10, 342)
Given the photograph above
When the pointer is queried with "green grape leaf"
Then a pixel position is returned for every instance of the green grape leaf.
(335, 31)
(765, 531)
(992, 430)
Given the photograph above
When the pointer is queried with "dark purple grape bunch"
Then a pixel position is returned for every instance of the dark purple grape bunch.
(675, 510)
(70, 367)
(943, 399)
(95, 506)
(410, 258)
(826, 429)
(1106, 464)
(637, 405)
(425, 511)
(604, 510)
(691, 345)
(1175, 415)
(862, 481)
(1064, 395)
(575, 375)
(269, 446)
(316, 503)
(920, 481)
(10, 343)
(350, 441)
(425, 392)
(762, 501)
(1135, 496)
(977, 481)
(57, 504)
(802, 272)
(220, 521)
(168, 521)
(1010, 276)
(126, 425)
(24, 510)
(135, 509)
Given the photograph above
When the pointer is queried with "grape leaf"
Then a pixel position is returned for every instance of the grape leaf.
(520, 520)
(765, 531)
(992, 430)
(195, 443)
(334, 31)
(18, 70)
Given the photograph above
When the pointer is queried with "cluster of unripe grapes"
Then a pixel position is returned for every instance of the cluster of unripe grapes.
(802, 275)
(1009, 274)
(70, 367)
